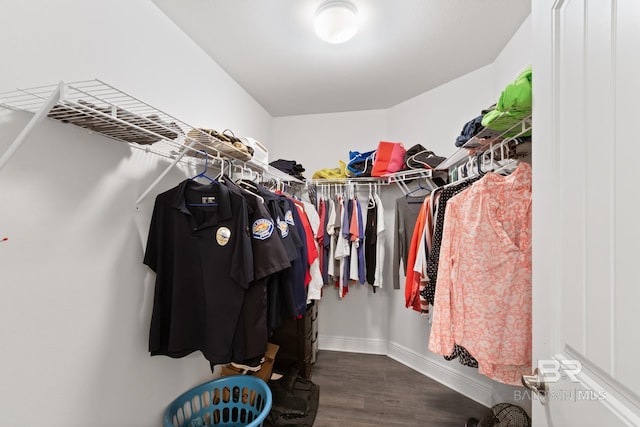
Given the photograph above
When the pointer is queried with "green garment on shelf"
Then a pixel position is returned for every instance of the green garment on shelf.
(512, 107)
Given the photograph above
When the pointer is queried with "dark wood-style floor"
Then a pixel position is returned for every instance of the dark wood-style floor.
(360, 390)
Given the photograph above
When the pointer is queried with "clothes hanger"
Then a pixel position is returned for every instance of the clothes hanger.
(420, 187)
(469, 167)
(508, 167)
(248, 185)
(372, 201)
(479, 164)
(505, 165)
(206, 200)
(222, 163)
(203, 174)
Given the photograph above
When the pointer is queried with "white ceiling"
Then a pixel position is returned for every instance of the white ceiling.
(403, 48)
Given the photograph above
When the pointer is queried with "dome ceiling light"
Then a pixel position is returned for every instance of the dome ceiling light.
(336, 21)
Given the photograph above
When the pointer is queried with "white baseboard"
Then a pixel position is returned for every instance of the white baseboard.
(458, 381)
(353, 345)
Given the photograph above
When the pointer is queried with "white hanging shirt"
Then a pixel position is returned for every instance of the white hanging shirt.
(314, 290)
(378, 276)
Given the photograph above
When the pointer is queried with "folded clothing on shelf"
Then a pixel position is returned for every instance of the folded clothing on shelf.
(332, 173)
(290, 167)
(469, 130)
(513, 105)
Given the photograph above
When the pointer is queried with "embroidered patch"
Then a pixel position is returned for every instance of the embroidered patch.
(284, 228)
(288, 217)
(262, 229)
(223, 235)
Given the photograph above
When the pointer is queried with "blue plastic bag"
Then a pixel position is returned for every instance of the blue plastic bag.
(360, 164)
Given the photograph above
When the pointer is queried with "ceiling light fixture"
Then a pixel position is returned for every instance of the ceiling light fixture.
(336, 21)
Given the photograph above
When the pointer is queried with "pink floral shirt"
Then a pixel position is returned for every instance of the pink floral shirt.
(483, 297)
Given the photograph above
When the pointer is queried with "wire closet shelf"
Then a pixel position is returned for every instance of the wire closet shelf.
(383, 180)
(486, 140)
(105, 110)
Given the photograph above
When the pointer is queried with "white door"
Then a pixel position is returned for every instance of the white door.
(586, 226)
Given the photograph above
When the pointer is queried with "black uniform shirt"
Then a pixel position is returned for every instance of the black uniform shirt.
(281, 300)
(371, 241)
(200, 248)
(269, 254)
(289, 235)
(269, 258)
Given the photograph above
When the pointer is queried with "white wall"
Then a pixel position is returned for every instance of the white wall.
(76, 298)
(380, 323)
(515, 56)
(435, 118)
(131, 45)
(318, 141)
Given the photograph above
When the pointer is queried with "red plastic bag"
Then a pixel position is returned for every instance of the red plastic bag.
(389, 158)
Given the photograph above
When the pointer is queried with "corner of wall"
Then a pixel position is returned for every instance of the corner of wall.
(480, 391)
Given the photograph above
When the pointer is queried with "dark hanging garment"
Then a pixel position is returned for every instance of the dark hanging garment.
(371, 241)
(280, 297)
(202, 255)
(322, 237)
(406, 215)
(269, 257)
(300, 267)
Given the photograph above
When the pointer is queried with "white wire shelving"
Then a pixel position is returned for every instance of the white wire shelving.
(105, 110)
(385, 179)
(485, 140)
(400, 178)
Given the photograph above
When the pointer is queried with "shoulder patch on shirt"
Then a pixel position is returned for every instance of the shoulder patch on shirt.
(284, 228)
(288, 217)
(223, 235)
(262, 229)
